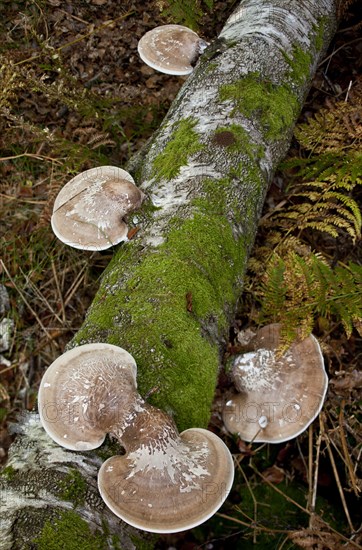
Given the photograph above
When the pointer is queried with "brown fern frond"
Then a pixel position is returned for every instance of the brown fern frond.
(92, 137)
(316, 540)
(338, 126)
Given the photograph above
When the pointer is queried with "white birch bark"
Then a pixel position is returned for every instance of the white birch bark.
(269, 48)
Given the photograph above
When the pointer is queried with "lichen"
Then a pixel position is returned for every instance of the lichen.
(183, 143)
(276, 107)
(69, 532)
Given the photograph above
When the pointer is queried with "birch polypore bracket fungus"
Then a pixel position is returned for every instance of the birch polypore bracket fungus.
(171, 49)
(279, 396)
(165, 482)
(89, 210)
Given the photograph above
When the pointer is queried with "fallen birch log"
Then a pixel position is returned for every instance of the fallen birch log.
(170, 293)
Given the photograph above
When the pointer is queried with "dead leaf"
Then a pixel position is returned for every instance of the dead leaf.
(274, 474)
(348, 382)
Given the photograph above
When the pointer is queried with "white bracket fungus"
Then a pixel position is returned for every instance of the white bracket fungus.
(166, 482)
(279, 396)
(171, 49)
(89, 210)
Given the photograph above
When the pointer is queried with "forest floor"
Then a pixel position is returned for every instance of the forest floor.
(74, 94)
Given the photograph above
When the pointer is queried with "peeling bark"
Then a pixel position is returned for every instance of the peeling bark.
(49, 493)
(169, 294)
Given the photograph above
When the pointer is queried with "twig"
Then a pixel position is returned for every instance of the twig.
(32, 155)
(335, 472)
(347, 457)
(19, 199)
(337, 50)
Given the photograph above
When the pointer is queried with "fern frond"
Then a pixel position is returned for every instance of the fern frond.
(271, 283)
(319, 205)
(294, 285)
(337, 127)
(295, 290)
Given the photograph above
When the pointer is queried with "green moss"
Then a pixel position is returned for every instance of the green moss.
(190, 281)
(319, 33)
(142, 544)
(9, 472)
(184, 143)
(275, 106)
(73, 488)
(300, 64)
(69, 532)
(192, 262)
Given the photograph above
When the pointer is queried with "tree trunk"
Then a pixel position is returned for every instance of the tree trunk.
(170, 293)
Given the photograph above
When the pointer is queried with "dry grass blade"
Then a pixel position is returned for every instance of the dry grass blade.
(60, 296)
(315, 478)
(41, 298)
(255, 503)
(21, 294)
(33, 156)
(347, 458)
(4, 396)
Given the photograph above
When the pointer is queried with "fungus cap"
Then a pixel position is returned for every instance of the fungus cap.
(88, 210)
(171, 49)
(279, 396)
(84, 392)
(170, 487)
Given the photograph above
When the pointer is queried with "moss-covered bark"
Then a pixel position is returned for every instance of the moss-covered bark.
(169, 294)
